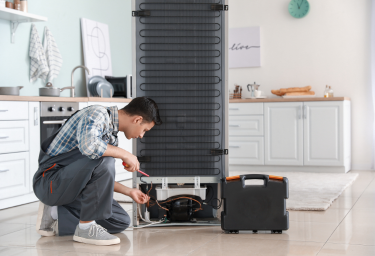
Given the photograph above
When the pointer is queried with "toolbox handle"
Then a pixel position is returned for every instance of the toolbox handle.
(254, 177)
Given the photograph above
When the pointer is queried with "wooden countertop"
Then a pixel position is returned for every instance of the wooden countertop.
(279, 99)
(61, 99)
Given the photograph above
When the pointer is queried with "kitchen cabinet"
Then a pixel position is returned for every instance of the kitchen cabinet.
(297, 136)
(124, 143)
(246, 134)
(324, 137)
(283, 133)
(19, 151)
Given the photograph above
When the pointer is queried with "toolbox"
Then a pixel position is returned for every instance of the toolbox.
(255, 207)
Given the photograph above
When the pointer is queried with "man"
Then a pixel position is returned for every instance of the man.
(76, 176)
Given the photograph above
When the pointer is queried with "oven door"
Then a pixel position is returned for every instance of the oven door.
(49, 125)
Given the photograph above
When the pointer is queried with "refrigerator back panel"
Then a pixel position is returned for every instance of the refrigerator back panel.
(180, 64)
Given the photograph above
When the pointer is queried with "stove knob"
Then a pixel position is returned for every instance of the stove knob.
(61, 109)
(70, 109)
(51, 109)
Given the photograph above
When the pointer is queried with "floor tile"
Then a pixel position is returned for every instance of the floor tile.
(298, 231)
(331, 215)
(365, 201)
(344, 202)
(242, 245)
(30, 239)
(357, 228)
(11, 251)
(24, 214)
(6, 228)
(347, 250)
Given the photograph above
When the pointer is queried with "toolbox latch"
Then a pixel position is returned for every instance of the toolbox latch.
(219, 7)
(217, 152)
(141, 13)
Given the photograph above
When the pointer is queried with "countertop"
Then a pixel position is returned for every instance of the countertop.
(61, 99)
(280, 99)
(98, 99)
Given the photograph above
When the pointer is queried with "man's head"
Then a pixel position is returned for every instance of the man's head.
(138, 117)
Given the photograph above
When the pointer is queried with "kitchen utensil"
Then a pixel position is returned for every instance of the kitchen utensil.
(252, 87)
(258, 93)
(10, 90)
(93, 81)
(145, 174)
(104, 89)
(50, 91)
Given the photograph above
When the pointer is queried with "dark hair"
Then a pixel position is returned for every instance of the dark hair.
(145, 107)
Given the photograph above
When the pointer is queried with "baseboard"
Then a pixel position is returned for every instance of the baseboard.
(18, 200)
(269, 168)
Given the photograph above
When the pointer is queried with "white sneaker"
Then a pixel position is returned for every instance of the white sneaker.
(96, 235)
(45, 224)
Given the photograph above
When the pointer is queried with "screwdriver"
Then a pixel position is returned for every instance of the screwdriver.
(145, 174)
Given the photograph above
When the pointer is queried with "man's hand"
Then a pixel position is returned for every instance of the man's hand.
(138, 196)
(132, 164)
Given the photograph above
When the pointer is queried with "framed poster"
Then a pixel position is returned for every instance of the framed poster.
(96, 49)
(244, 47)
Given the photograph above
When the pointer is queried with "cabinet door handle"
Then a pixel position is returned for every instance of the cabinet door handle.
(234, 125)
(55, 122)
(234, 109)
(35, 116)
(4, 137)
(5, 170)
(234, 146)
(3, 110)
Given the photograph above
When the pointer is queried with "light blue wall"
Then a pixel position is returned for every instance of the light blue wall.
(64, 24)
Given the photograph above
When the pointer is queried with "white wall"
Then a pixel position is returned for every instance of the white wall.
(64, 19)
(330, 46)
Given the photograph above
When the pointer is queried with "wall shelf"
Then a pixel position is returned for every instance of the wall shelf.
(16, 17)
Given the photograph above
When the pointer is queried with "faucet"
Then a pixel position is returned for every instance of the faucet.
(72, 90)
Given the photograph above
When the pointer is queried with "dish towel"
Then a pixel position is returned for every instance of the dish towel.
(53, 55)
(38, 62)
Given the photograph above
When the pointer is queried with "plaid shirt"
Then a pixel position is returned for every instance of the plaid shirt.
(90, 130)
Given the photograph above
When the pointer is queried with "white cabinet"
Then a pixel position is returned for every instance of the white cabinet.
(246, 150)
(246, 141)
(14, 136)
(283, 133)
(290, 136)
(14, 174)
(324, 133)
(19, 151)
(124, 143)
(34, 139)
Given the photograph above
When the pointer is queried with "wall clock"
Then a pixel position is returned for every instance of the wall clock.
(299, 8)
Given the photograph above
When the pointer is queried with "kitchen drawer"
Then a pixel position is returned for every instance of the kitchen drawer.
(246, 150)
(14, 175)
(240, 109)
(14, 136)
(246, 125)
(14, 110)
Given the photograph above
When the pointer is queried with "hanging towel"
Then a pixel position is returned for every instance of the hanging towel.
(53, 55)
(38, 62)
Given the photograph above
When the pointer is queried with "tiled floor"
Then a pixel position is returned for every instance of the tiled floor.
(346, 228)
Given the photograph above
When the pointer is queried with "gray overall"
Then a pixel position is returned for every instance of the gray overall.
(81, 187)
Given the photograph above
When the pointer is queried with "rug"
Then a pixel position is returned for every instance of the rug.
(307, 191)
(313, 191)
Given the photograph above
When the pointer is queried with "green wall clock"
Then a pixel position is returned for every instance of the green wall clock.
(299, 8)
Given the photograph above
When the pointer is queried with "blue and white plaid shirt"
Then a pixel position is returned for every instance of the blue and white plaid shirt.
(90, 130)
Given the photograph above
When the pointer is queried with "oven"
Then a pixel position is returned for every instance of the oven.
(53, 115)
